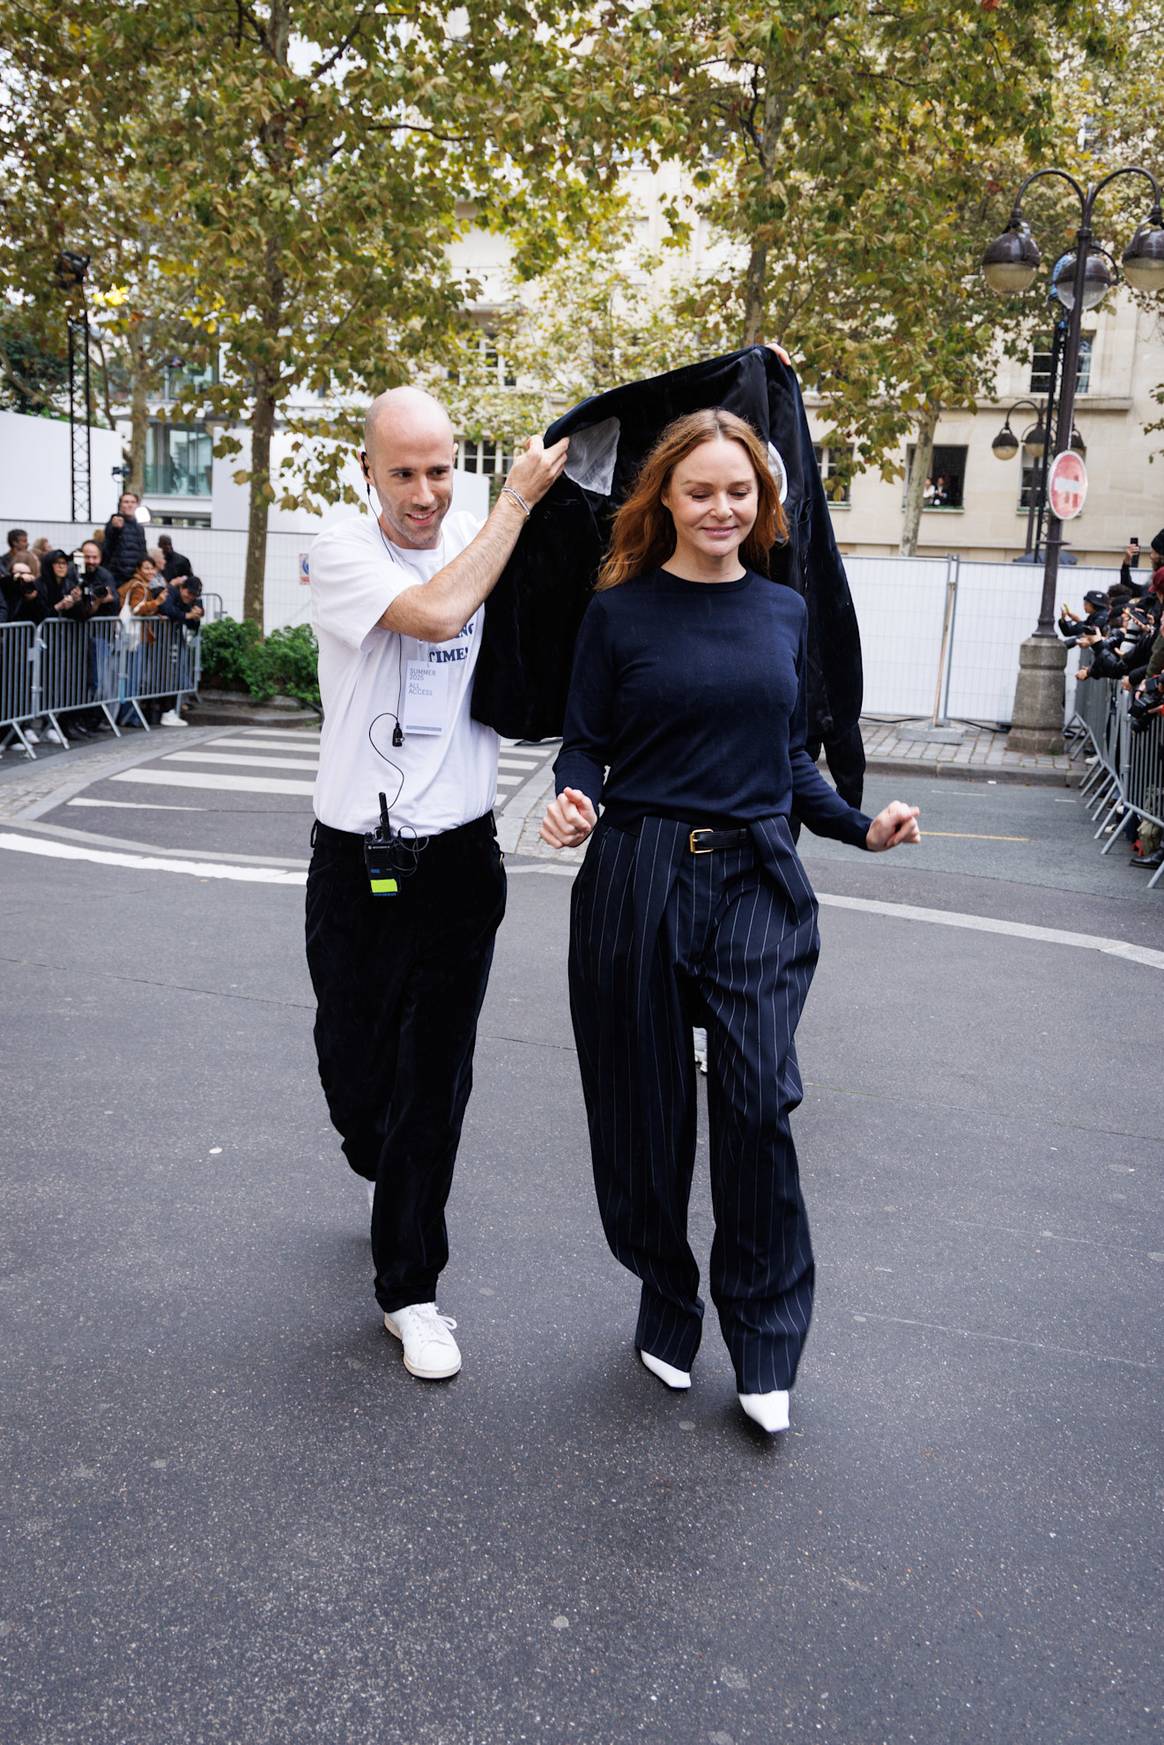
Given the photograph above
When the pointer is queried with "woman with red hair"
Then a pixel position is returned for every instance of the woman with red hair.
(688, 691)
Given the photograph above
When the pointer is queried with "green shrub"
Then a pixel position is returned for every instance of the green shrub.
(236, 657)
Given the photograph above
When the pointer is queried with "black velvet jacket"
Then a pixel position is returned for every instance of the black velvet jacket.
(532, 615)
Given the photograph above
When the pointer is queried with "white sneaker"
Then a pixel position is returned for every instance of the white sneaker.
(55, 738)
(770, 1411)
(677, 1379)
(430, 1351)
(32, 738)
(171, 718)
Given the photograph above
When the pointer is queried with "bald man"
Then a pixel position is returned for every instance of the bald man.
(404, 899)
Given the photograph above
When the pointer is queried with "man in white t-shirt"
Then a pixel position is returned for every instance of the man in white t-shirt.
(400, 932)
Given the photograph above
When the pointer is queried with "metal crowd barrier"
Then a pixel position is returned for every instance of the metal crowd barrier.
(51, 670)
(1128, 772)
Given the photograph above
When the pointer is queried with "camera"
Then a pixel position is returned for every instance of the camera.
(1141, 707)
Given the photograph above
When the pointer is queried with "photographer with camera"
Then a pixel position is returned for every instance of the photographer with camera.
(1095, 608)
(181, 604)
(1123, 650)
(66, 595)
(64, 668)
(17, 552)
(31, 607)
(103, 604)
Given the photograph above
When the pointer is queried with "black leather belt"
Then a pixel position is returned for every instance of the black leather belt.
(707, 841)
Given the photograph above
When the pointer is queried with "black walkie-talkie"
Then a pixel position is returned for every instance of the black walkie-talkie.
(380, 857)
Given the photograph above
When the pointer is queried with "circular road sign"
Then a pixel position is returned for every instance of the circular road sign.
(1067, 485)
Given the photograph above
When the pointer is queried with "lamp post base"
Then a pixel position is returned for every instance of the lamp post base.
(1039, 697)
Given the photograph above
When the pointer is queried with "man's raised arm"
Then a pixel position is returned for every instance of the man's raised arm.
(436, 610)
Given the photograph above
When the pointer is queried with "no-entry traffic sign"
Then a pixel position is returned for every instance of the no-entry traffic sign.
(1067, 485)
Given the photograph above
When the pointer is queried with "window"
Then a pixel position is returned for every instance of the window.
(1041, 367)
(483, 455)
(179, 380)
(947, 477)
(1029, 488)
(178, 461)
(488, 362)
(837, 489)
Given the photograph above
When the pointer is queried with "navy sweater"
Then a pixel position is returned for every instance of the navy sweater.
(692, 696)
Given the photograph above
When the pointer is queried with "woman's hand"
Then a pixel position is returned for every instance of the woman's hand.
(569, 819)
(897, 824)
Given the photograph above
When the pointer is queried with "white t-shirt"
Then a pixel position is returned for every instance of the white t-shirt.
(450, 777)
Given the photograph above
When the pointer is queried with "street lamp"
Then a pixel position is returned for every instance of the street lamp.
(1034, 445)
(1099, 275)
(1009, 264)
(1034, 440)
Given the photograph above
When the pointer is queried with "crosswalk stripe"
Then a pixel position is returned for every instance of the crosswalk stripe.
(134, 805)
(285, 742)
(234, 757)
(163, 778)
(283, 733)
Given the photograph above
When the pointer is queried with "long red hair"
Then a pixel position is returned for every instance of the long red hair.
(643, 536)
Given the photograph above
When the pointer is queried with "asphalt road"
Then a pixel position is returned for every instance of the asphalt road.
(230, 1515)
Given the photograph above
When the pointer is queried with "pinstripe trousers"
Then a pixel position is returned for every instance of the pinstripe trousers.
(660, 937)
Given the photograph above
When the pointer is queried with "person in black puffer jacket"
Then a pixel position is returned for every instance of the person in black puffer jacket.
(124, 544)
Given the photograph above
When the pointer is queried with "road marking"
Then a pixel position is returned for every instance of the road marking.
(990, 924)
(234, 757)
(202, 869)
(974, 836)
(942, 918)
(136, 805)
(162, 778)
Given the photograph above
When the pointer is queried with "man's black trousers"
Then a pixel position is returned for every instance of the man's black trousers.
(399, 982)
(661, 937)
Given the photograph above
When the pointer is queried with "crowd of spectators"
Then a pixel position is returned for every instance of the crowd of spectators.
(1119, 637)
(113, 575)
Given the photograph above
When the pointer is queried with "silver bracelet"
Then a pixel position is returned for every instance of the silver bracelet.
(508, 491)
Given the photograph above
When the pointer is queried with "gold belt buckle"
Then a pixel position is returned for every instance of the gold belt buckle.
(691, 842)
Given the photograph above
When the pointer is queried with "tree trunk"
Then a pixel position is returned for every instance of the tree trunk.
(755, 279)
(139, 414)
(923, 456)
(754, 322)
(262, 427)
(277, 42)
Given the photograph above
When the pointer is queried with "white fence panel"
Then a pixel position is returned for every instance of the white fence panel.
(900, 602)
(998, 608)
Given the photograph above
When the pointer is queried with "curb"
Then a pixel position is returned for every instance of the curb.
(223, 709)
(982, 772)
